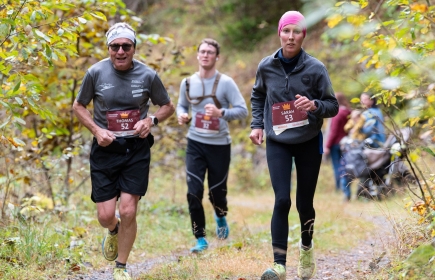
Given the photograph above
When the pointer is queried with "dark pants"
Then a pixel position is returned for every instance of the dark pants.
(215, 160)
(307, 158)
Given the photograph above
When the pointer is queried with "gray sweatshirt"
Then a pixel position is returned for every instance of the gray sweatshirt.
(229, 97)
(309, 78)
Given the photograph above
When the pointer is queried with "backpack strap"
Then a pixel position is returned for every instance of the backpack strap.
(187, 93)
(199, 99)
(213, 92)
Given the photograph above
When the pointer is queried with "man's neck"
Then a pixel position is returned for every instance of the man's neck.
(206, 74)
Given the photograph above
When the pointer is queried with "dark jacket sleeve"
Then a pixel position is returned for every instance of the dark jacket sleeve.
(258, 99)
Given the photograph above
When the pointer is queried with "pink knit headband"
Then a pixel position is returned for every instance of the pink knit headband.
(292, 17)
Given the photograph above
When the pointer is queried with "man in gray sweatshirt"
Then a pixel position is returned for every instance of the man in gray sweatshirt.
(208, 95)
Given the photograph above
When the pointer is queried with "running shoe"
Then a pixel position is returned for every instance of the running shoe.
(109, 245)
(222, 229)
(307, 264)
(201, 245)
(120, 273)
(277, 272)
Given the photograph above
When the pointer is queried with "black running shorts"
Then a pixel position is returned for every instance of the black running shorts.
(123, 168)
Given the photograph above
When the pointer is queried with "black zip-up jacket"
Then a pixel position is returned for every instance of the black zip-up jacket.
(272, 85)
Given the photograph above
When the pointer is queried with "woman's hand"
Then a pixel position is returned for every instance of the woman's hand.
(256, 136)
(304, 104)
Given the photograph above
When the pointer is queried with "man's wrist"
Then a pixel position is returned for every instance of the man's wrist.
(314, 107)
(154, 120)
(222, 113)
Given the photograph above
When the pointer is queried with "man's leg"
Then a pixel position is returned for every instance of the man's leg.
(107, 219)
(128, 227)
(195, 169)
(195, 173)
(218, 162)
(106, 213)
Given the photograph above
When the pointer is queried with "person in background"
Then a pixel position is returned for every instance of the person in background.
(335, 134)
(213, 99)
(354, 135)
(373, 126)
(291, 96)
(120, 88)
(354, 125)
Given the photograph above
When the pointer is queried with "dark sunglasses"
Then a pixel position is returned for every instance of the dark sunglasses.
(125, 47)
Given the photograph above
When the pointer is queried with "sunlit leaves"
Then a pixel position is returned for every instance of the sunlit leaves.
(82, 20)
(420, 208)
(334, 20)
(355, 100)
(33, 37)
(414, 157)
(16, 142)
(396, 46)
(98, 15)
(356, 20)
(418, 7)
(42, 35)
(363, 3)
(396, 51)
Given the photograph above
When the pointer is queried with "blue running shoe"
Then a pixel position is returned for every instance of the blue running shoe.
(222, 229)
(201, 245)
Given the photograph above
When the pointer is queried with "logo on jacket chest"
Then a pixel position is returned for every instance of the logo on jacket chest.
(305, 79)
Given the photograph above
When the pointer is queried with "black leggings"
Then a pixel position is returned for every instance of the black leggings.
(307, 157)
(215, 160)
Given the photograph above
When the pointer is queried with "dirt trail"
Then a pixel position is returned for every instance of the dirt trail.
(135, 269)
(358, 263)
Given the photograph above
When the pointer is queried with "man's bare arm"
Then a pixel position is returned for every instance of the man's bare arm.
(104, 136)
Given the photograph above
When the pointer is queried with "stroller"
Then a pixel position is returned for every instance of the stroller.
(378, 170)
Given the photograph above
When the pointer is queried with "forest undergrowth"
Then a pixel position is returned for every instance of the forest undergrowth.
(360, 239)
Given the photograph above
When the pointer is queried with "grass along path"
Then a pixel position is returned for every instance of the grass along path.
(349, 238)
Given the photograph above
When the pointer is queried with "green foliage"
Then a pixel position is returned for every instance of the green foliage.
(395, 49)
(244, 30)
(395, 54)
(45, 49)
(255, 21)
(40, 47)
(395, 61)
(34, 245)
(419, 262)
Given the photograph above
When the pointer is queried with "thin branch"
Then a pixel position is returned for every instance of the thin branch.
(10, 30)
(81, 183)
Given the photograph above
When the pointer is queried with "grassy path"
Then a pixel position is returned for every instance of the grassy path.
(349, 237)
